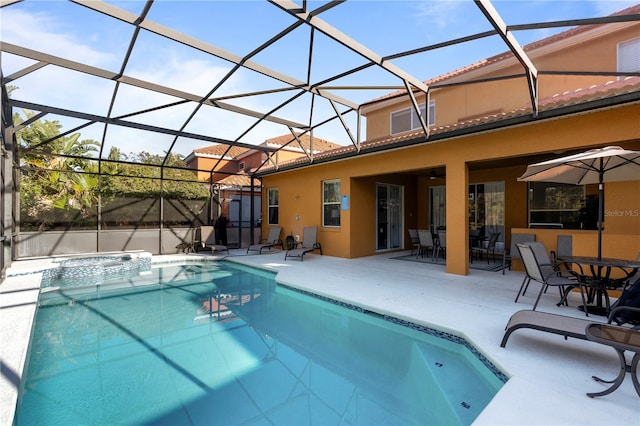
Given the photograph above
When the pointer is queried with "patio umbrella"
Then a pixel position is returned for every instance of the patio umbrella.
(609, 164)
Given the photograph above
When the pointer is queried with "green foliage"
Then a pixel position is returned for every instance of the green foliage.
(61, 174)
(55, 169)
(144, 179)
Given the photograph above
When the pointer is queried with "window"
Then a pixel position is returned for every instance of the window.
(558, 205)
(401, 121)
(241, 166)
(273, 205)
(407, 119)
(629, 56)
(331, 202)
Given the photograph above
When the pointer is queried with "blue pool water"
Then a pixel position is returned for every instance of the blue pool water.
(223, 344)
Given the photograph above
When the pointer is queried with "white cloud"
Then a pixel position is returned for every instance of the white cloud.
(440, 13)
(41, 32)
(155, 60)
(63, 88)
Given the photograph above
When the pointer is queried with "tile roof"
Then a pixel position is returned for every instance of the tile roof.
(572, 32)
(217, 150)
(318, 144)
(593, 93)
(581, 95)
(238, 180)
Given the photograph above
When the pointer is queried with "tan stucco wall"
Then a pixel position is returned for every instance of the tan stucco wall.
(204, 163)
(363, 194)
(614, 245)
(300, 190)
(300, 205)
(458, 103)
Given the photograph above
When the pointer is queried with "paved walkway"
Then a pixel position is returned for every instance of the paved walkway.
(549, 376)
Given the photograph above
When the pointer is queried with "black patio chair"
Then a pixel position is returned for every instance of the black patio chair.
(490, 248)
(539, 267)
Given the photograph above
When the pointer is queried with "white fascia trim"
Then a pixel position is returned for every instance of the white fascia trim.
(294, 148)
(216, 156)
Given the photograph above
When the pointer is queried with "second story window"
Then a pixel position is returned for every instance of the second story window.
(406, 119)
(273, 205)
(241, 166)
(629, 56)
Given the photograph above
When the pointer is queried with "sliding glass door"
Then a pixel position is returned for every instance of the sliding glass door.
(437, 207)
(388, 216)
(486, 208)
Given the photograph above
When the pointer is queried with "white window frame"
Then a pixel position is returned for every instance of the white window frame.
(334, 205)
(414, 121)
(273, 206)
(629, 55)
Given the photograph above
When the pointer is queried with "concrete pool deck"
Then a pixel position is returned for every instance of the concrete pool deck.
(549, 376)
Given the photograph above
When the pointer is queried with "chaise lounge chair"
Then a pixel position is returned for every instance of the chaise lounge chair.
(206, 239)
(273, 240)
(558, 324)
(308, 244)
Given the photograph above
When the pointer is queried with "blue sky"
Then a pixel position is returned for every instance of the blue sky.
(71, 31)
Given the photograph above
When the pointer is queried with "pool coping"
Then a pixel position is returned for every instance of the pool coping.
(23, 282)
(457, 338)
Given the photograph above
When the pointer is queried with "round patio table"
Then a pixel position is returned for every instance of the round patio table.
(598, 278)
(620, 339)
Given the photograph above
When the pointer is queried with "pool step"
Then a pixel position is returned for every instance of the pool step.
(457, 374)
(424, 371)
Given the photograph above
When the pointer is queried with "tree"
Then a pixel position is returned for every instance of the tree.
(144, 178)
(62, 181)
(57, 170)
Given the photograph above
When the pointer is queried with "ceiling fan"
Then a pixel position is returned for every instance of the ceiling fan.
(434, 175)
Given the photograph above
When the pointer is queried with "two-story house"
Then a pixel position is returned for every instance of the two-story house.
(455, 165)
(234, 193)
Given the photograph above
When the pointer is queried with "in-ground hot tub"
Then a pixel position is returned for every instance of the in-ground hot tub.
(94, 270)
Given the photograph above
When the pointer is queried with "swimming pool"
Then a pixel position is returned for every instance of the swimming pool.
(218, 343)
